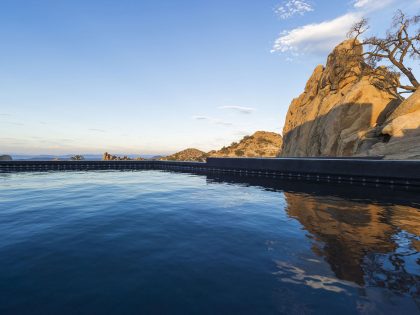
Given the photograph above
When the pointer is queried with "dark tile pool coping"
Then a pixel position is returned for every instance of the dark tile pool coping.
(401, 173)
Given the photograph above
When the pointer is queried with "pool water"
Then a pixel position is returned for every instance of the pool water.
(155, 242)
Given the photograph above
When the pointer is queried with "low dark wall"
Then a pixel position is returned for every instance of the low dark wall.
(399, 170)
(403, 173)
(34, 166)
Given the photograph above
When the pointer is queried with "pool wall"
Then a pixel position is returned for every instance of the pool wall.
(384, 172)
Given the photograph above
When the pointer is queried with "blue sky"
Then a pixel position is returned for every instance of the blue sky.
(147, 76)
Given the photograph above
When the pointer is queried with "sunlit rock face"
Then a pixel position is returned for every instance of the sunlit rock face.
(338, 108)
(401, 131)
(259, 144)
(190, 154)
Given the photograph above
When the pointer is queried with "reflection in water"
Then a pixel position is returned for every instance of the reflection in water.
(369, 237)
(368, 244)
(292, 274)
(347, 230)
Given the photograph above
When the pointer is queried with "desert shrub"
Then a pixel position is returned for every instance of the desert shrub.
(239, 152)
(264, 141)
(224, 150)
(77, 157)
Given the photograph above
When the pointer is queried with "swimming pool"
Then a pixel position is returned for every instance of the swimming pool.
(162, 242)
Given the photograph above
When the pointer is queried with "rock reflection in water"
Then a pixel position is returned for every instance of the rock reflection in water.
(370, 237)
(368, 244)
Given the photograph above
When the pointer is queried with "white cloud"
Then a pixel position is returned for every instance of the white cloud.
(293, 7)
(241, 109)
(97, 130)
(322, 37)
(371, 4)
(361, 3)
(318, 37)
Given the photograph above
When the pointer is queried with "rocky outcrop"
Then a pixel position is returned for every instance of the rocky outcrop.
(399, 136)
(190, 154)
(109, 157)
(5, 158)
(260, 144)
(339, 108)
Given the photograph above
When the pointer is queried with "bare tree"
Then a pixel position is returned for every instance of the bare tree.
(394, 48)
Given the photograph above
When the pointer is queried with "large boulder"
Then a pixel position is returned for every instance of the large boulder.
(399, 136)
(338, 109)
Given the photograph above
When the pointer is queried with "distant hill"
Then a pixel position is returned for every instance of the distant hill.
(190, 154)
(5, 158)
(67, 157)
(260, 144)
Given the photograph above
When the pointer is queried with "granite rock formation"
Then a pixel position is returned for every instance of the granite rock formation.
(339, 109)
(190, 154)
(399, 136)
(260, 144)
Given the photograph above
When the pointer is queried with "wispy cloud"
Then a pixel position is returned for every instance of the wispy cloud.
(201, 118)
(322, 37)
(214, 121)
(13, 123)
(293, 7)
(97, 130)
(240, 109)
(371, 4)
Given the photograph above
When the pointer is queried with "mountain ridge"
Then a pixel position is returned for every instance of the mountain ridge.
(259, 144)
